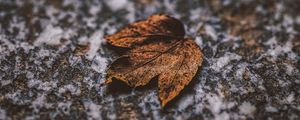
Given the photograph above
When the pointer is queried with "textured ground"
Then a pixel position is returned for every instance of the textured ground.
(53, 59)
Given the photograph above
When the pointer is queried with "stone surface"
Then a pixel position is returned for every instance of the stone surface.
(53, 60)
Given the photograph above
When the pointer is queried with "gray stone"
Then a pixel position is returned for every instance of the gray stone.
(251, 67)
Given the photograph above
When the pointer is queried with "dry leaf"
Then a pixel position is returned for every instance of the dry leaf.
(155, 26)
(175, 62)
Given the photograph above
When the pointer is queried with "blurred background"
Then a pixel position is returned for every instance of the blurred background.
(53, 59)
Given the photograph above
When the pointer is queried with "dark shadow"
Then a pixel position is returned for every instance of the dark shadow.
(117, 87)
(151, 85)
(120, 87)
(116, 50)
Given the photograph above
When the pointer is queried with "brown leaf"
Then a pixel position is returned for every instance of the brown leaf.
(170, 57)
(158, 25)
(174, 63)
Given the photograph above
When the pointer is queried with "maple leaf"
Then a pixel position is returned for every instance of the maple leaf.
(174, 60)
(156, 26)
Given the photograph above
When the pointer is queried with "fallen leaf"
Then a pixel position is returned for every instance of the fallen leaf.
(174, 61)
(156, 26)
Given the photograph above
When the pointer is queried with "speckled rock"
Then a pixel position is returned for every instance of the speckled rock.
(53, 59)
